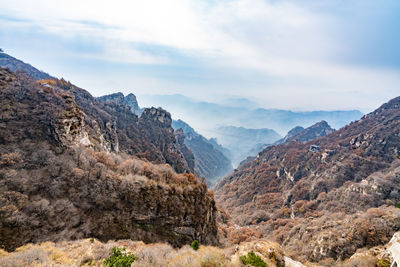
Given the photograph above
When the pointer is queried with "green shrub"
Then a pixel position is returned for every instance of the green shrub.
(253, 259)
(92, 240)
(119, 258)
(397, 205)
(383, 263)
(195, 245)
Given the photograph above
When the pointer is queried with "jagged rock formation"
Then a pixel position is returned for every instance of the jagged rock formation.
(70, 168)
(7, 61)
(119, 98)
(210, 162)
(352, 170)
(300, 134)
(290, 135)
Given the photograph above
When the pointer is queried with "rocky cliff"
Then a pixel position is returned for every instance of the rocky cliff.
(65, 154)
(119, 98)
(305, 194)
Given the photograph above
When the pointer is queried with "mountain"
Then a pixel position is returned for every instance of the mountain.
(210, 162)
(242, 113)
(7, 61)
(72, 166)
(119, 98)
(299, 134)
(327, 197)
(243, 142)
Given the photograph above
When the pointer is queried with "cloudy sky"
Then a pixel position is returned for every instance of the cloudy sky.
(292, 54)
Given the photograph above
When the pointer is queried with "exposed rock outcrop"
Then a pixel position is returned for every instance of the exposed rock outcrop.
(70, 168)
(129, 100)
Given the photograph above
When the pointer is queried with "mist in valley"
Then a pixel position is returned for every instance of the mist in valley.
(241, 125)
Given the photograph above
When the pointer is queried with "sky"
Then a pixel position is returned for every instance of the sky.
(288, 54)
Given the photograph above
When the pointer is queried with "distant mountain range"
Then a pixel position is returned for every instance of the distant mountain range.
(207, 117)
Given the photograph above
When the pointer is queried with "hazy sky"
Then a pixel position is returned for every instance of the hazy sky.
(292, 54)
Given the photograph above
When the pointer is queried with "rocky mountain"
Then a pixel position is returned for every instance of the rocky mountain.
(300, 134)
(210, 162)
(327, 197)
(243, 142)
(119, 98)
(7, 61)
(114, 175)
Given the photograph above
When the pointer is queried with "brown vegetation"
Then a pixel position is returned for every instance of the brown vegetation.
(299, 185)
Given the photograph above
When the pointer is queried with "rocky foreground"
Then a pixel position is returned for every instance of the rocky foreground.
(92, 252)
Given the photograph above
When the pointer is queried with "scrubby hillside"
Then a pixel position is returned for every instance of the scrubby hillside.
(306, 195)
(74, 167)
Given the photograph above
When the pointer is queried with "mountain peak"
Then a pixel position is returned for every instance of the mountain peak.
(119, 99)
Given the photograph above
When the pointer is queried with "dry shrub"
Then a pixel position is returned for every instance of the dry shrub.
(25, 257)
(106, 158)
(9, 159)
(243, 234)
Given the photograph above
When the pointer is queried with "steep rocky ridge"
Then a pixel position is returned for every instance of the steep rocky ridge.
(210, 162)
(119, 98)
(300, 134)
(7, 61)
(354, 169)
(64, 154)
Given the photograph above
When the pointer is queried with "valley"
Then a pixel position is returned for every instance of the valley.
(80, 175)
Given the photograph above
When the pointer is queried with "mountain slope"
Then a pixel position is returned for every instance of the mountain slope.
(300, 134)
(64, 154)
(320, 184)
(7, 61)
(209, 161)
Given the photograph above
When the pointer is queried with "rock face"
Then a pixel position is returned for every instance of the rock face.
(72, 166)
(129, 100)
(7, 61)
(210, 162)
(187, 153)
(289, 188)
